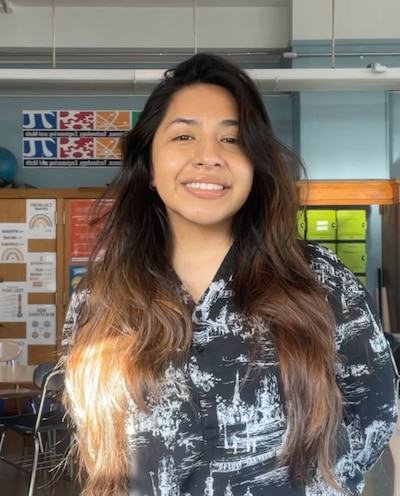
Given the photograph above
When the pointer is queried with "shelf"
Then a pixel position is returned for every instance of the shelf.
(350, 192)
(313, 192)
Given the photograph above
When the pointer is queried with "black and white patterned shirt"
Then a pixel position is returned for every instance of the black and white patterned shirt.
(210, 435)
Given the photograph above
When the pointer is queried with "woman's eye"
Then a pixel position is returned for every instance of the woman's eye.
(231, 140)
(183, 137)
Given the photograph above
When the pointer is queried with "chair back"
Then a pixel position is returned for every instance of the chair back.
(10, 351)
(43, 428)
(41, 371)
(50, 412)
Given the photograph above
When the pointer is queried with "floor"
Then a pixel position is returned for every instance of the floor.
(15, 482)
(382, 480)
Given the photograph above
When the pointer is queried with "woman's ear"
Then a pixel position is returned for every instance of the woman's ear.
(151, 182)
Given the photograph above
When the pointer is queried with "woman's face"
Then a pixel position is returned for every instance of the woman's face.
(199, 169)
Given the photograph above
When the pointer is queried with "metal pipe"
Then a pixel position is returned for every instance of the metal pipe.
(194, 27)
(53, 31)
(333, 35)
(295, 55)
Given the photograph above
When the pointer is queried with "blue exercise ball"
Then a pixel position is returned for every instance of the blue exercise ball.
(8, 166)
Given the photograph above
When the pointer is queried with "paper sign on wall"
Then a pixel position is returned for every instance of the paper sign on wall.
(13, 301)
(13, 245)
(41, 272)
(41, 324)
(40, 215)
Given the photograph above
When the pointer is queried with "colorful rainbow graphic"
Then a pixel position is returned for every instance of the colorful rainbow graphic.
(12, 255)
(40, 221)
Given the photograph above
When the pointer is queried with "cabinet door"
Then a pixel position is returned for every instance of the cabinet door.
(390, 262)
(28, 276)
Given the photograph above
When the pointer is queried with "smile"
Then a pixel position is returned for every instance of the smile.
(204, 186)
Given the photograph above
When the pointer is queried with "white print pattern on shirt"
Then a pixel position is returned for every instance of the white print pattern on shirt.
(210, 435)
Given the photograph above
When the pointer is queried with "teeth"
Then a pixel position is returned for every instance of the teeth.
(204, 186)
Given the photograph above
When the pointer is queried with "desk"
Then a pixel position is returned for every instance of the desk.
(16, 374)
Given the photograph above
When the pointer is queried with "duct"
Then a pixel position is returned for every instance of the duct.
(271, 80)
(128, 58)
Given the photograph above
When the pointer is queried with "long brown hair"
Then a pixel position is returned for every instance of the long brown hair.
(134, 321)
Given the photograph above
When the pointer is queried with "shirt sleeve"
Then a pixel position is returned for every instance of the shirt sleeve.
(365, 370)
(70, 326)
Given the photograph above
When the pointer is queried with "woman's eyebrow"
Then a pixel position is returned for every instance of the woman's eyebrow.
(183, 120)
(230, 122)
(192, 122)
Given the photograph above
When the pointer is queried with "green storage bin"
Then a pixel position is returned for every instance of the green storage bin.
(301, 224)
(351, 224)
(321, 224)
(330, 245)
(362, 279)
(353, 255)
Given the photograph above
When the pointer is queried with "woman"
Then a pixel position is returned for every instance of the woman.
(210, 352)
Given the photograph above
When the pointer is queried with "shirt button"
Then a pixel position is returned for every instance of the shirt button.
(200, 348)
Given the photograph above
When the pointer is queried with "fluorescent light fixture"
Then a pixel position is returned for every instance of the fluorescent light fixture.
(327, 79)
(267, 79)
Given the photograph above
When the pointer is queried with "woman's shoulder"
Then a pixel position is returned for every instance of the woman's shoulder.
(330, 271)
(77, 301)
(323, 260)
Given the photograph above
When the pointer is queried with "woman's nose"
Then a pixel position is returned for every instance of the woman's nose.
(208, 153)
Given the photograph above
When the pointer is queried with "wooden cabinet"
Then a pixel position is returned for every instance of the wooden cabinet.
(43, 260)
(28, 274)
(13, 210)
(391, 260)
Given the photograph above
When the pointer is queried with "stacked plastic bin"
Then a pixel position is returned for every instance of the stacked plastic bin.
(341, 230)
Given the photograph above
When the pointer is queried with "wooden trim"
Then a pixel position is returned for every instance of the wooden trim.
(349, 192)
(50, 192)
(313, 192)
(395, 185)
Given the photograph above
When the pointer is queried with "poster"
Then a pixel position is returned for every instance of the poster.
(41, 324)
(41, 272)
(74, 138)
(40, 215)
(81, 240)
(82, 235)
(76, 272)
(13, 244)
(13, 301)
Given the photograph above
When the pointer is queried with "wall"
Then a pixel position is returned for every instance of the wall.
(343, 134)
(279, 108)
(394, 133)
(338, 134)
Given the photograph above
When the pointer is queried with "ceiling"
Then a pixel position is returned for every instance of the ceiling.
(37, 57)
(151, 3)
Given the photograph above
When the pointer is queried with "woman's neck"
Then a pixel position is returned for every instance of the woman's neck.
(198, 253)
